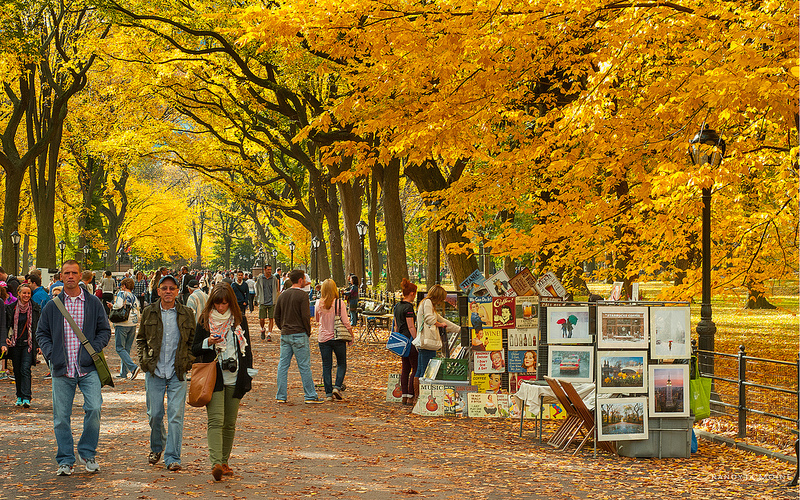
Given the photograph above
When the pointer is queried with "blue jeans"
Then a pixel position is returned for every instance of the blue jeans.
(175, 390)
(424, 356)
(327, 350)
(295, 344)
(63, 397)
(353, 306)
(123, 339)
(21, 360)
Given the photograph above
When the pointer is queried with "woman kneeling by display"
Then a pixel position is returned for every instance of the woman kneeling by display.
(222, 334)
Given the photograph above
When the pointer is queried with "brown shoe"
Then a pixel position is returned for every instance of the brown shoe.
(405, 400)
(174, 466)
(227, 471)
(217, 472)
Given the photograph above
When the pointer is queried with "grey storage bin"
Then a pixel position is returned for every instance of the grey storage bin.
(669, 438)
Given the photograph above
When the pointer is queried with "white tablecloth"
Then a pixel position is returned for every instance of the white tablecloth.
(530, 393)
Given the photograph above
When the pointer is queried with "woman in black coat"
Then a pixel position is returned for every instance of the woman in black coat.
(18, 341)
(222, 334)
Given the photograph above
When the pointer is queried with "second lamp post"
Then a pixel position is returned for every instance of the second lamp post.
(362, 232)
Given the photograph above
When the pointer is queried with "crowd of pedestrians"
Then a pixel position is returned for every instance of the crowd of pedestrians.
(175, 320)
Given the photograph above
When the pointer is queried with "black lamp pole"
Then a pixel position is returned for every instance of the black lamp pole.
(706, 147)
(61, 246)
(291, 251)
(105, 258)
(15, 237)
(86, 251)
(315, 246)
(274, 259)
(362, 232)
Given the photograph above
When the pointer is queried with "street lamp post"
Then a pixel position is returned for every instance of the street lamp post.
(361, 227)
(274, 258)
(86, 251)
(315, 245)
(119, 257)
(706, 148)
(61, 246)
(15, 237)
(105, 257)
(291, 259)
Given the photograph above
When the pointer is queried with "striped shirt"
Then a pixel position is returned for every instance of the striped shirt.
(76, 307)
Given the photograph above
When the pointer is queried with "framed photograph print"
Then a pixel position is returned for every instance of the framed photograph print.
(622, 327)
(573, 363)
(670, 333)
(568, 325)
(622, 419)
(622, 372)
(669, 390)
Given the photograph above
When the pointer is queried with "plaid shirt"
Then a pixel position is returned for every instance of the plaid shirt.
(76, 307)
(140, 287)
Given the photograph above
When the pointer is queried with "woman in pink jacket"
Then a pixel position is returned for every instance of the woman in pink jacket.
(329, 307)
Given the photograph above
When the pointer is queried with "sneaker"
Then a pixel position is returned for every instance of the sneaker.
(263, 334)
(12, 378)
(121, 376)
(153, 457)
(26, 403)
(19, 402)
(343, 388)
(174, 466)
(329, 398)
(280, 400)
(217, 472)
(316, 401)
(64, 470)
(48, 376)
(90, 464)
(269, 337)
(3, 375)
(337, 393)
(135, 372)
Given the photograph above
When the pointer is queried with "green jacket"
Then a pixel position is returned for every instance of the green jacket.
(150, 334)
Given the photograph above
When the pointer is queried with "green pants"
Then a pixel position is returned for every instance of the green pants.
(222, 411)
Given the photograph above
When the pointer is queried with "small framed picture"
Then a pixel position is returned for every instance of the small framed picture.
(568, 325)
(622, 372)
(573, 363)
(622, 327)
(669, 390)
(622, 419)
(670, 333)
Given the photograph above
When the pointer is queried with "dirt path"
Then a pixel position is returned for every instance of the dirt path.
(360, 448)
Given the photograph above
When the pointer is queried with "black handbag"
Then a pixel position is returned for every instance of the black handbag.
(120, 315)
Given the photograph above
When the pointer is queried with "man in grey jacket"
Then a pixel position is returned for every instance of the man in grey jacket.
(267, 289)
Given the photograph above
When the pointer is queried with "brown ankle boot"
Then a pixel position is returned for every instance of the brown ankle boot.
(217, 472)
(405, 400)
(413, 401)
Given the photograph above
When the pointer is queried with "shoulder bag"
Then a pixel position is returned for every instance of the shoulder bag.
(340, 332)
(428, 337)
(398, 343)
(202, 383)
(120, 315)
(99, 358)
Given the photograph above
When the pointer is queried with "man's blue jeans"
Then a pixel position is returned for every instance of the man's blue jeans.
(63, 397)
(327, 350)
(123, 339)
(168, 441)
(295, 344)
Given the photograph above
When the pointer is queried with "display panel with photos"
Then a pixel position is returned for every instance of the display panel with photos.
(622, 372)
(669, 390)
(568, 325)
(670, 333)
(622, 419)
(622, 327)
(573, 363)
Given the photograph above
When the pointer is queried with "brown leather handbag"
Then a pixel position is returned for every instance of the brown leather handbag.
(201, 386)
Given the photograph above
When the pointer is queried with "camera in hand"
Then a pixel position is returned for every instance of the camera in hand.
(229, 364)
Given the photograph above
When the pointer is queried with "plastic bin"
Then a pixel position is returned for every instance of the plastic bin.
(454, 369)
(669, 438)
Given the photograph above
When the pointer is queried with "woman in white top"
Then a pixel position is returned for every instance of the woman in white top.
(125, 331)
(326, 310)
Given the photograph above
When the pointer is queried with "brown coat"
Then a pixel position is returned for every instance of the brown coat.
(150, 336)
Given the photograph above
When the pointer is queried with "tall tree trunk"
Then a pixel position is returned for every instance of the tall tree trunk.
(434, 264)
(397, 268)
(14, 179)
(375, 261)
(351, 194)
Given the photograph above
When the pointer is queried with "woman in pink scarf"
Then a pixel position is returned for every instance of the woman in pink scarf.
(18, 341)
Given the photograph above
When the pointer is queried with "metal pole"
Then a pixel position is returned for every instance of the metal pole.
(438, 265)
(363, 264)
(742, 393)
(706, 329)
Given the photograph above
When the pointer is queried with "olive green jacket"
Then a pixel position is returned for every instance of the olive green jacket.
(150, 335)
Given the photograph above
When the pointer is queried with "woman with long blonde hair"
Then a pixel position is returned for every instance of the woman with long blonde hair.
(329, 307)
(430, 320)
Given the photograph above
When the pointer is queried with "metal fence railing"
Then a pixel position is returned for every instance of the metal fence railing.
(761, 397)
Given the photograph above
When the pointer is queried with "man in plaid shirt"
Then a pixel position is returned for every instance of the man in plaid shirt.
(72, 366)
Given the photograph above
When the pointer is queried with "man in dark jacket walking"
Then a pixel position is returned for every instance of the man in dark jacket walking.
(164, 342)
(72, 366)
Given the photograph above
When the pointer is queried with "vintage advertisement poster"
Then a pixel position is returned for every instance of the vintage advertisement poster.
(487, 405)
(550, 286)
(499, 286)
(487, 340)
(504, 312)
(527, 309)
(473, 285)
(489, 361)
(431, 400)
(524, 283)
(394, 394)
(522, 361)
(480, 312)
(522, 340)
